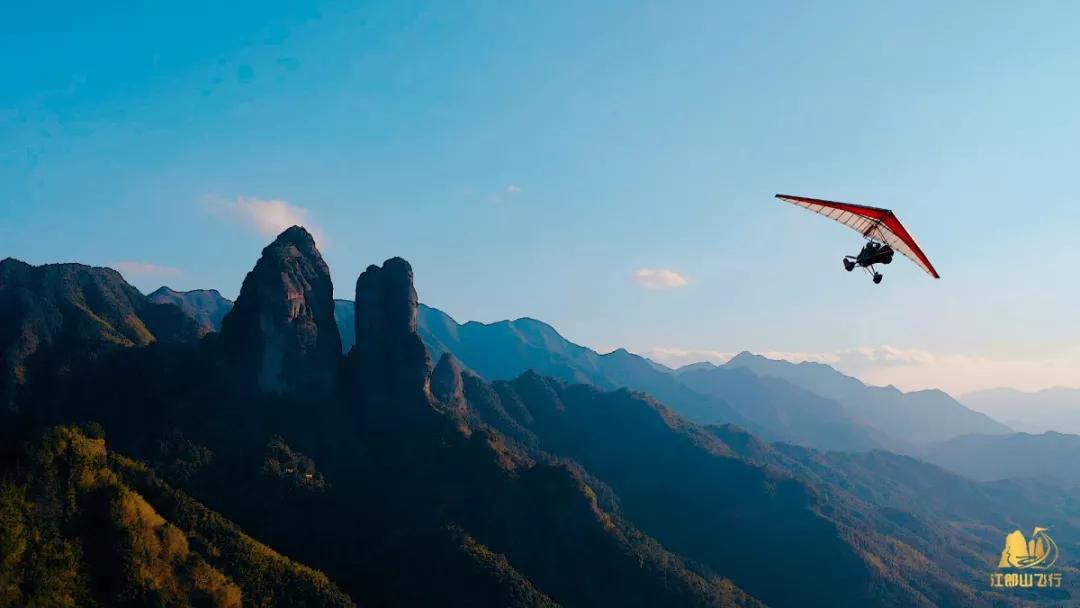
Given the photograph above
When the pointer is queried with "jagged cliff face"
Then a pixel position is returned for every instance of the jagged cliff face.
(280, 335)
(71, 310)
(389, 362)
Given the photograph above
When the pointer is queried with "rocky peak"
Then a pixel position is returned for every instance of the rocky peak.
(280, 333)
(446, 384)
(206, 306)
(164, 292)
(389, 359)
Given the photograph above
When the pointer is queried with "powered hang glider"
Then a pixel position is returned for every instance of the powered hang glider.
(883, 232)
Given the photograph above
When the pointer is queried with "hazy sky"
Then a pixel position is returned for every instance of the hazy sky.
(607, 167)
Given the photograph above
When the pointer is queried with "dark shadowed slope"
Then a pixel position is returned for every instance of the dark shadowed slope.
(206, 306)
(652, 460)
(59, 312)
(955, 521)
(916, 417)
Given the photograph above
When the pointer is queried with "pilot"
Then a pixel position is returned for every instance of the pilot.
(868, 251)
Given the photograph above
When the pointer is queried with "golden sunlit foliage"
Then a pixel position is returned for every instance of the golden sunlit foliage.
(73, 534)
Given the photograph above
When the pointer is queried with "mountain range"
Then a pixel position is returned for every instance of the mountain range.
(1052, 409)
(990, 457)
(918, 417)
(831, 410)
(55, 313)
(206, 306)
(303, 455)
(808, 404)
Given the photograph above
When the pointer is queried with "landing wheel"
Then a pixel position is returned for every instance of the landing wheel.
(849, 265)
(877, 277)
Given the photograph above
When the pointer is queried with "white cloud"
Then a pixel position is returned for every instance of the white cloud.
(659, 278)
(513, 189)
(145, 269)
(268, 217)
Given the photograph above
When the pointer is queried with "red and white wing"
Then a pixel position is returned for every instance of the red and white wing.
(873, 222)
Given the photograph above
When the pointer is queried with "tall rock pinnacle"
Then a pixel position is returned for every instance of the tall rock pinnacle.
(281, 334)
(389, 359)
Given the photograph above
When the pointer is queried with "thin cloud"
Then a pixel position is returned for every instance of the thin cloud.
(145, 269)
(267, 217)
(497, 197)
(678, 357)
(960, 372)
(891, 355)
(915, 368)
(801, 357)
(659, 278)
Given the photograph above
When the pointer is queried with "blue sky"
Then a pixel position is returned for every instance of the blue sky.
(532, 158)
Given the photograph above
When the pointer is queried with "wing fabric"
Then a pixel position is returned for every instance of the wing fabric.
(872, 222)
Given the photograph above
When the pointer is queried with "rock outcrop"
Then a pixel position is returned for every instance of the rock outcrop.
(447, 386)
(280, 335)
(389, 361)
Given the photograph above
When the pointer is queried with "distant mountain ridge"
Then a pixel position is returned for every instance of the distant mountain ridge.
(808, 404)
(993, 457)
(916, 417)
(207, 306)
(812, 405)
(1051, 409)
(505, 349)
(777, 404)
(771, 404)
